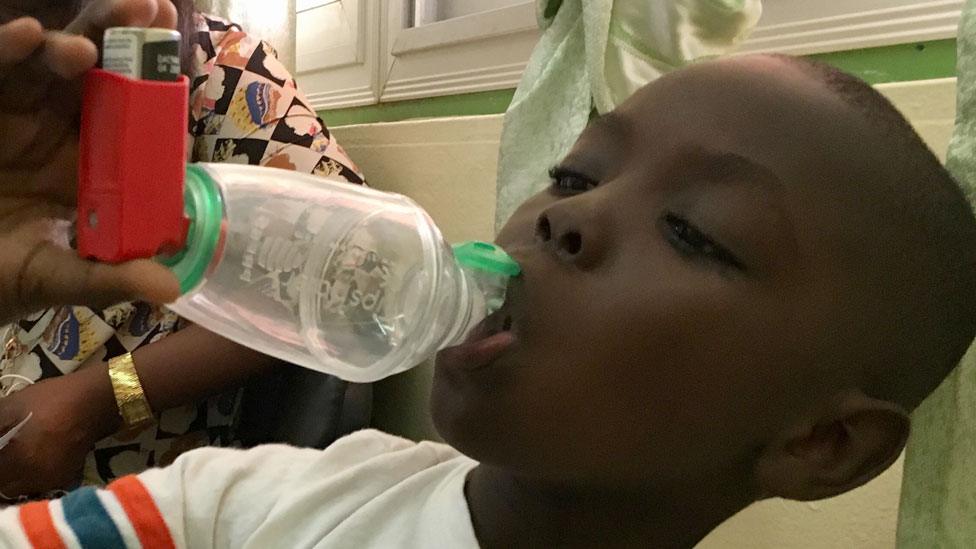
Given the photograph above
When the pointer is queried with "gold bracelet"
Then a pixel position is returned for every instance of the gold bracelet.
(129, 396)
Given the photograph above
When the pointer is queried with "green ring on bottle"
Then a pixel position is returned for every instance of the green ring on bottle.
(204, 207)
(486, 257)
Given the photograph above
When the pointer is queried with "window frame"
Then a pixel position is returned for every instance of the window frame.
(479, 52)
(489, 50)
(345, 75)
(860, 27)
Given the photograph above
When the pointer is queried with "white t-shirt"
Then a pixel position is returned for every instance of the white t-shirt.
(366, 490)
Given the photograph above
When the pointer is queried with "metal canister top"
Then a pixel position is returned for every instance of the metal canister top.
(142, 54)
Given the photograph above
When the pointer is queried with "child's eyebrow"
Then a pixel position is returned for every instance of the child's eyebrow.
(611, 125)
(723, 167)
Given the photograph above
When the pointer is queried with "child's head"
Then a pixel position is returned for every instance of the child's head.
(743, 279)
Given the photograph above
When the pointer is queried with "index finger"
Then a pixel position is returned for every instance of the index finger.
(100, 15)
(19, 39)
(60, 57)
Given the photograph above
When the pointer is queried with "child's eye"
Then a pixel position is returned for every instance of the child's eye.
(691, 242)
(568, 182)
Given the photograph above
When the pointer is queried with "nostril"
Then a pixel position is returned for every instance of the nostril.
(543, 230)
(571, 243)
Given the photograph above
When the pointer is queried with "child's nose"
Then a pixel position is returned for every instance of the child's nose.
(572, 239)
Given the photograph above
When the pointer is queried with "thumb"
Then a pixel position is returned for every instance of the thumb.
(56, 276)
(142, 279)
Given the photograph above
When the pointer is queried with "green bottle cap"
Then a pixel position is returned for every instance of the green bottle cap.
(204, 207)
(486, 257)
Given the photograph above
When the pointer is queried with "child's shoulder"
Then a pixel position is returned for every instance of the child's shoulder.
(371, 444)
(362, 449)
(374, 440)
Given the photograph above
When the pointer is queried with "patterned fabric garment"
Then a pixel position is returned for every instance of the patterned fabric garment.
(245, 108)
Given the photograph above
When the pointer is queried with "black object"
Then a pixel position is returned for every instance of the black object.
(302, 407)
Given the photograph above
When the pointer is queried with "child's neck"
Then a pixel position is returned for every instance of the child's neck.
(511, 512)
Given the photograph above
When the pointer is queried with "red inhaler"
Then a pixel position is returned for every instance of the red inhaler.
(131, 167)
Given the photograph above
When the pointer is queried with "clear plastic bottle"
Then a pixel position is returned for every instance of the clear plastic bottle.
(338, 278)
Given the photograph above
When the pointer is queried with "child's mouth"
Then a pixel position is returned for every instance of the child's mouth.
(495, 323)
(488, 341)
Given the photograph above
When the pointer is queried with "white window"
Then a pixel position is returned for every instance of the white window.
(358, 52)
(425, 12)
(804, 26)
(446, 47)
(337, 51)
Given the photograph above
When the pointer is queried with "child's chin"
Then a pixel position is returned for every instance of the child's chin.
(458, 416)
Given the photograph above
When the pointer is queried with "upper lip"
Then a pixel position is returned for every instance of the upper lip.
(499, 321)
(506, 317)
(509, 315)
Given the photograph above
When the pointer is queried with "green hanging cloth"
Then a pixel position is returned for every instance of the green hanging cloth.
(592, 56)
(938, 502)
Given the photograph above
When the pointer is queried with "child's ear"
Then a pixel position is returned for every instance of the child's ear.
(855, 443)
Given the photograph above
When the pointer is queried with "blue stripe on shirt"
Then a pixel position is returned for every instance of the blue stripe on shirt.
(90, 521)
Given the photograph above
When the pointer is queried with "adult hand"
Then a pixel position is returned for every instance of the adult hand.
(49, 452)
(57, 14)
(40, 74)
(53, 14)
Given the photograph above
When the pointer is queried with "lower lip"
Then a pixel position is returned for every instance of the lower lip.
(479, 353)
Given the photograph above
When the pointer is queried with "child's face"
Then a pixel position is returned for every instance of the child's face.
(681, 280)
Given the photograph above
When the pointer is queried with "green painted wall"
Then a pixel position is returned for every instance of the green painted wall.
(469, 104)
(901, 63)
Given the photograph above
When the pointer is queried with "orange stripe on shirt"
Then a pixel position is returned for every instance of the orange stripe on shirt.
(143, 514)
(38, 525)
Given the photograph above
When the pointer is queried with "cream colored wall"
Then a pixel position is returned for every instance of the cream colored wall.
(448, 166)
